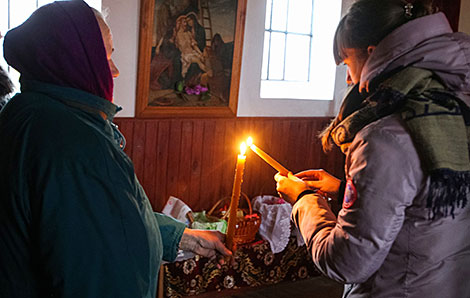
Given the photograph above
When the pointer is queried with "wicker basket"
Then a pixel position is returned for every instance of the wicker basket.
(246, 228)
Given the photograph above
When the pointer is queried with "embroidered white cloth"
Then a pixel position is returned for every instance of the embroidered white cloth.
(275, 221)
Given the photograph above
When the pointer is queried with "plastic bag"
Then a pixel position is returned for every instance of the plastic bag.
(207, 222)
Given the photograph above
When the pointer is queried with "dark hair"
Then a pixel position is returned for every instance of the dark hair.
(6, 86)
(369, 21)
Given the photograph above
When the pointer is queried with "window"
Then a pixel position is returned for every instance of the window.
(298, 45)
(321, 91)
(15, 12)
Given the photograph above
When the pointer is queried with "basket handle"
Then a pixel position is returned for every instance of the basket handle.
(217, 205)
(248, 201)
(228, 198)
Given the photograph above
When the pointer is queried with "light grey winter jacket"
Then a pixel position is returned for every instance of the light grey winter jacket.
(383, 244)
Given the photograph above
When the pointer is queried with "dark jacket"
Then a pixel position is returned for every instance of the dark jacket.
(74, 220)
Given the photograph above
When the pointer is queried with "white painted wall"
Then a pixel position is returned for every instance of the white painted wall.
(123, 18)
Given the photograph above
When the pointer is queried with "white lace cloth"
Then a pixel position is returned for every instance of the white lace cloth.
(275, 221)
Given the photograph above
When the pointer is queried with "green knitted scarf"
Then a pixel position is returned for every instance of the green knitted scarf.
(438, 122)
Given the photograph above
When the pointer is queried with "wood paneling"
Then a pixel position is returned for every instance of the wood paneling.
(194, 159)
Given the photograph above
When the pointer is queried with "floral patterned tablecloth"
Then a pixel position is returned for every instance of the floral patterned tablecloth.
(255, 265)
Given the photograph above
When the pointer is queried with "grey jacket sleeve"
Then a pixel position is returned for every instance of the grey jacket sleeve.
(352, 247)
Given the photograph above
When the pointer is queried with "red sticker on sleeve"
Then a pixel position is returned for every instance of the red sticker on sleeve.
(350, 194)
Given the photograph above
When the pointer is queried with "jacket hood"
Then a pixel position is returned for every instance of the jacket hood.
(61, 44)
(429, 43)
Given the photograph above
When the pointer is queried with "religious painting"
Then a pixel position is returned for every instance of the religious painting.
(189, 57)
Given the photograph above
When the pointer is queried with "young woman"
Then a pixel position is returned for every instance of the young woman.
(74, 220)
(404, 127)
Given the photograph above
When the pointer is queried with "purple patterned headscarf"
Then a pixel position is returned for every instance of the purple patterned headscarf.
(61, 44)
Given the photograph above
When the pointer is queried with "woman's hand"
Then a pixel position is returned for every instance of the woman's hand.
(321, 180)
(206, 243)
(290, 187)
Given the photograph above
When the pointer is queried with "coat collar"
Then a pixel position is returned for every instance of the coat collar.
(428, 43)
(73, 97)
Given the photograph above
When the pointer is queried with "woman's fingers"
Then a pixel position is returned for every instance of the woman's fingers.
(220, 247)
(205, 252)
(314, 183)
(310, 175)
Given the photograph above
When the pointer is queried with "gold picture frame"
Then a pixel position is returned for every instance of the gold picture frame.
(189, 58)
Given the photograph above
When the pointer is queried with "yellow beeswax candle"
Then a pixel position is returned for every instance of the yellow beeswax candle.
(237, 184)
(271, 161)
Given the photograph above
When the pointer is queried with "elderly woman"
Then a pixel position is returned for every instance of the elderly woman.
(74, 220)
(403, 227)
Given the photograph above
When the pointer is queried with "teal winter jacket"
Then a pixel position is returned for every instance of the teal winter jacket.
(74, 220)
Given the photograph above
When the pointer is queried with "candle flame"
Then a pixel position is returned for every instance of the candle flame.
(249, 141)
(243, 148)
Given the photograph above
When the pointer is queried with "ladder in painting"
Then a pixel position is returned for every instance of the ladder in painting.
(205, 17)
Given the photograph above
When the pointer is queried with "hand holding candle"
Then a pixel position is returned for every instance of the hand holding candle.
(271, 161)
(237, 183)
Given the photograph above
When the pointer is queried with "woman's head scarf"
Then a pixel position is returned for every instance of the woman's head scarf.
(61, 44)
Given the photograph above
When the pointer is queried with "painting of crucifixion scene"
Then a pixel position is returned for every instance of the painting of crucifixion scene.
(192, 53)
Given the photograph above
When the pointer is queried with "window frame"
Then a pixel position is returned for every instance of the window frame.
(251, 104)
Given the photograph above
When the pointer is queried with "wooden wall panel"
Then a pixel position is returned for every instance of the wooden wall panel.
(149, 170)
(161, 161)
(194, 159)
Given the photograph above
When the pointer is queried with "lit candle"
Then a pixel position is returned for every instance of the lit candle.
(237, 185)
(271, 161)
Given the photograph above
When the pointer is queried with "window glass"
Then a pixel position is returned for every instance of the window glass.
(3, 18)
(297, 58)
(20, 11)
(300, 16)
(276, 56)
(278, 14)
(267, 24)
(297, 54)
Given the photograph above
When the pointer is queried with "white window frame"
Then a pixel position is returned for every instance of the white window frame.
(250, 103)
(321, 70)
